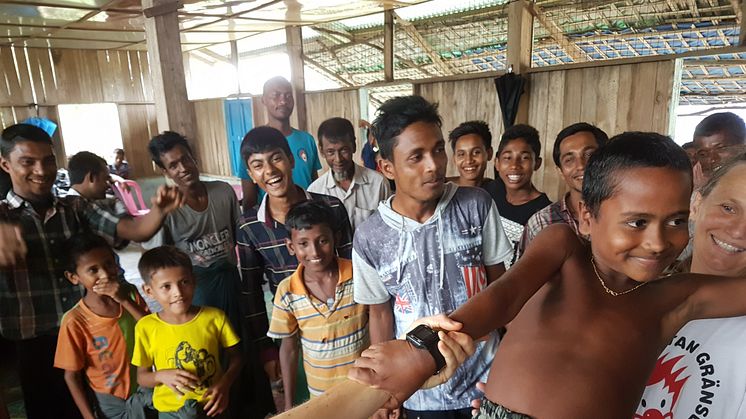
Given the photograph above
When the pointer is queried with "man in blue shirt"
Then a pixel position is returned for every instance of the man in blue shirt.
(277, 98)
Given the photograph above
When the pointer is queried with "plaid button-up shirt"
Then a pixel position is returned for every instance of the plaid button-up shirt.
(34, 294)
(556, 212)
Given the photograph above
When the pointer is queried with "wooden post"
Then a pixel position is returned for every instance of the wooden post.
(741, 15)
(173, 110)
(297, 78)
(388, 45)
(520, 38)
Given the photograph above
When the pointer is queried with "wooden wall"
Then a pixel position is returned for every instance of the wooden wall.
(465, 100)
(616, 98)
(321, 106)
(630, 97)
(66, 76)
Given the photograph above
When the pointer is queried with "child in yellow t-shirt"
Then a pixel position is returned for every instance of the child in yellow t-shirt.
(94, 345)
(177, 350)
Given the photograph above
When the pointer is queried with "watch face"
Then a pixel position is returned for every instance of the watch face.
(424, 334)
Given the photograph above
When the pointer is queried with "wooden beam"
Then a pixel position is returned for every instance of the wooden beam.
(421, 42)
(565, 43)
(297, 77)
(172, 107)
(327, 71)
(388, 45)
(520, 40)
(740, 13)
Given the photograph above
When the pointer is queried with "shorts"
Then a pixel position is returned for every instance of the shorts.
(490, 410)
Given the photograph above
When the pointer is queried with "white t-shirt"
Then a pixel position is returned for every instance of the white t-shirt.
(701, 373)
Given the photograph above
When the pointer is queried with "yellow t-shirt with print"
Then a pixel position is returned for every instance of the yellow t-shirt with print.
(193, 346)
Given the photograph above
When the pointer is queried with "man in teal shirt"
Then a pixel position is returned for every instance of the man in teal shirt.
(277, 98)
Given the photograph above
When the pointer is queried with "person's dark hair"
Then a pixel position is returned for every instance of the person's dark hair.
(263, 140)
(160, 258)
(308, 214)
(687, 146)
(726, 122)
(119, 151)
(720, 172)
(396, 114)
(80, 244)
(84, 163)
(625, 151)
(337, 130)
(164, 142)
(479, 128)
(17, 133)
(598, 134)
(528, 133)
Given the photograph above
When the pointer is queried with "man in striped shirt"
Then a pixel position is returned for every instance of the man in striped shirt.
(315, 306)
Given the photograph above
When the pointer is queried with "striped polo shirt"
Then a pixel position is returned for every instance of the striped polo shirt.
(332, 336)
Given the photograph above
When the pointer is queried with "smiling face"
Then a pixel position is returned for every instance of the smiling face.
(516, 163)
(272, 171)
(471, 157)
(642, 227)
(574, 153)
(720, 226)
(32, 169)
(418, 165)
(173, 288)
(278, 99)
(96, 265)
(314, 247)
(180, 166)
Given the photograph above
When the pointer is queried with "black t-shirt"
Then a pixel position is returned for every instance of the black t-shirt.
(516, 213)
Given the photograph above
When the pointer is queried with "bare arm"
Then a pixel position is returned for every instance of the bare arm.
(74, 381)
(288, 366)
(714, 296)
(501, 301)
(176, 379)
(250, 193)
(381, 322)
(140, 229)
(219, 393)
(494, 272)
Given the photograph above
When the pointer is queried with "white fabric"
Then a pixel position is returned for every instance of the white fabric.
(367, 189)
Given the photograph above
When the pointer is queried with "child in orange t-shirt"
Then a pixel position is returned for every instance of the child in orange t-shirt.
(96, 337)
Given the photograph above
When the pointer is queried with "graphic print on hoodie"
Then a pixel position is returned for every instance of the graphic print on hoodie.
(432, 268)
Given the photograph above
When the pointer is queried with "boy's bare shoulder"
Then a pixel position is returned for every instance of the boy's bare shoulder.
(557, 237)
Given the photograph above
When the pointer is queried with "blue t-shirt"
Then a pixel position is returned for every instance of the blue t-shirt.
(306, 156)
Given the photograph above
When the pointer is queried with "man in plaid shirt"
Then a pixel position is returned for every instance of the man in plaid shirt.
(572, 148)
(34, 293)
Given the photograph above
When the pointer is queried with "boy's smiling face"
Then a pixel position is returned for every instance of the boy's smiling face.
(173, 288)
(642, 227)
(90, 267)
(516, 164)
(314, 247)
(272, 171)
(471, 156)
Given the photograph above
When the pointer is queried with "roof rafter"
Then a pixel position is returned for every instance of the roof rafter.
(565, 43)
(416, 36)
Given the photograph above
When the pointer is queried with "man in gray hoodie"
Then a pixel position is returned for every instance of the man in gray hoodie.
(427, 249)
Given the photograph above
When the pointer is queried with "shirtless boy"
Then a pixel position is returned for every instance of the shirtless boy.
(587, 321)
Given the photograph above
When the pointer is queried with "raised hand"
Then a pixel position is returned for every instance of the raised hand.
(167, 199)
(111, 288)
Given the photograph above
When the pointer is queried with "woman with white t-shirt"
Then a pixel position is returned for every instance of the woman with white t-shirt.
(702, 372)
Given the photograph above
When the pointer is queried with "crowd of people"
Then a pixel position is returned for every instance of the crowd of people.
(393, 290)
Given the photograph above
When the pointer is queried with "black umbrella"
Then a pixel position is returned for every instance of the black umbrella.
(509, 90)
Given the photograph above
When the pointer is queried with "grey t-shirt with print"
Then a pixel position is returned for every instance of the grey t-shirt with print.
(432, 268)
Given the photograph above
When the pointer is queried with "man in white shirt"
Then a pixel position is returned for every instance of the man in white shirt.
(359, 188)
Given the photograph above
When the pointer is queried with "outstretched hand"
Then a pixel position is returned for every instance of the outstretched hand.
(12, 246)
(476, 404)
(167, 199)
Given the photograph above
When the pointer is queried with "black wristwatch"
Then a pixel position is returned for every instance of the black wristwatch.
(424, 337)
